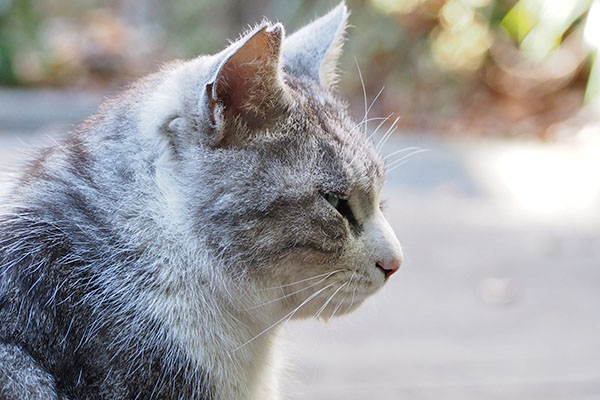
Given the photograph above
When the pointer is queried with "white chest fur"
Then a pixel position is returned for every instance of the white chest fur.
(236, 351)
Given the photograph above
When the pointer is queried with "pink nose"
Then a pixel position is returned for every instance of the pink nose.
(389, 266)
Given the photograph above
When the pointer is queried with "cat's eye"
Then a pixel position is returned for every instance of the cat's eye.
(342, 206)
(333, 200)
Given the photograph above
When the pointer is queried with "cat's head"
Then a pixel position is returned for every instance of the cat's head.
(280, 185)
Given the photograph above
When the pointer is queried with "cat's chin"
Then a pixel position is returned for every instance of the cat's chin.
(332, 310)
(331, 306)
(343, 308)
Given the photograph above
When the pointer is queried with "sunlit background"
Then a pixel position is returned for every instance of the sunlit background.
(493, 137)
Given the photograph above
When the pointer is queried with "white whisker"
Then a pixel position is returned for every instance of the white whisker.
(324, 306)
(303, 280)
(351, 300)
(400, 152)
(289, 294)
(373, 102)
(367, 120)
(379, 126)
(396, 166)
(371, 119)
(337, 307)
(396, 163)
(386, 136)
(287, 316)
(362, 83)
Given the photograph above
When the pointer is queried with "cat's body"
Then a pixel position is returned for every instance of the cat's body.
(156, 251)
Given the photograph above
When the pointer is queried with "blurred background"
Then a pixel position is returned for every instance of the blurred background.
(466, 67)
(493, 144)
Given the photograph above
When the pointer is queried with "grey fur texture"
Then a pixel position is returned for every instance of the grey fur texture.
(155, 252)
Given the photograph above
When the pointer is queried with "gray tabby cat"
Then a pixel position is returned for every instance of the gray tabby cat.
(154, 253)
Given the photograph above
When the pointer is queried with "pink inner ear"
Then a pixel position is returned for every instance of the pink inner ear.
(251, 75)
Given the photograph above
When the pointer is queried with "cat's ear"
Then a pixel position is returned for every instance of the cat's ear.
(247, 87)
(314, 49)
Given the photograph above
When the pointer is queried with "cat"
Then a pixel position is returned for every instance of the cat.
(157, 250)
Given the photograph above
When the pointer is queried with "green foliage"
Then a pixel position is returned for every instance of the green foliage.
(19, 25)
(519, 21)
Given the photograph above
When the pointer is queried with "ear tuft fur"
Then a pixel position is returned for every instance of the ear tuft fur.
(315, 49)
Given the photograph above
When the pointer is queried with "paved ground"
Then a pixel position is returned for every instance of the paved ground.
(499, 296)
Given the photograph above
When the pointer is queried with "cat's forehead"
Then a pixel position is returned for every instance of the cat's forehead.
(345, 152)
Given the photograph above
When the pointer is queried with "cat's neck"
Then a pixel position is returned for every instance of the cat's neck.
(236, 347)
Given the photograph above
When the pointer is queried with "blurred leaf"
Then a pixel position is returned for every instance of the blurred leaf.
(592, 90)
(519, 21)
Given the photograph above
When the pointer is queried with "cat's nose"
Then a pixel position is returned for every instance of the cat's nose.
(389, 266)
